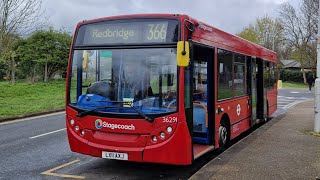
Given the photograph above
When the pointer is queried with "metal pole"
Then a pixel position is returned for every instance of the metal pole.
(317, 83)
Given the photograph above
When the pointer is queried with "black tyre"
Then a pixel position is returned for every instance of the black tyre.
(224, 136)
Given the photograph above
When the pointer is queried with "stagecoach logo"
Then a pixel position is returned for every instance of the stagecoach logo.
(205, 28)
(238, 109)
(100, 124)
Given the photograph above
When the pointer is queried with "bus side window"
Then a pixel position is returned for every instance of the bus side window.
(239, 75)
(225, 74)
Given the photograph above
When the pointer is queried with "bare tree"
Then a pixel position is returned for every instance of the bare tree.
(17, 18)
(300, 26)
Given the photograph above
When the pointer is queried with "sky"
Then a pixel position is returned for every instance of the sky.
(229, 15)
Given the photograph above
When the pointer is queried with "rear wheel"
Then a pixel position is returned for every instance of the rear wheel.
(224, 136)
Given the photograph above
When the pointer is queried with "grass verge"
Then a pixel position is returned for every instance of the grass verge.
(24, 98)
(294, 85)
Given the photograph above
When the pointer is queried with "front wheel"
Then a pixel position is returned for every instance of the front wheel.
(223, 136)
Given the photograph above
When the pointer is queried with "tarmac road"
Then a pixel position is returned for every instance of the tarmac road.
(287, 97)
(24, 154)
(38, 145)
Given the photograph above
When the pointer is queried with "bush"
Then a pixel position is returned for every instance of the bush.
(287, 75)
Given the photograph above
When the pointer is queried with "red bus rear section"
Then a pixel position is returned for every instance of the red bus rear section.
(128, 98)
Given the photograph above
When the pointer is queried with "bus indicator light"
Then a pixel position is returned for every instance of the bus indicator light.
(82, 132)
(72, 122)
(169, 129)
(76, 128)
(154, 139)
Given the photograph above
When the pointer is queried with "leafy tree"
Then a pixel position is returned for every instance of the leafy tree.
(249, 33)
(266, 32)
(45, 53)
(269, 32)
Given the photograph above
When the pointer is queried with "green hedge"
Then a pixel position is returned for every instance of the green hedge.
(287, 75)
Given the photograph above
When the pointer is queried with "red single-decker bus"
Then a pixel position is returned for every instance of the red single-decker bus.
(163, 88)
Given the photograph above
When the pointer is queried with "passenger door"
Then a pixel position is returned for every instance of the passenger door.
(252, 87)
(202, 94)
(261, 92)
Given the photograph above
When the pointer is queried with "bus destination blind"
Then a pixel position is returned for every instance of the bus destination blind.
(126, 33)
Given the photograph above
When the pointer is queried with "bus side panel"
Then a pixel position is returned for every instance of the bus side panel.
(240, 127)
(272, 100)
(177, 150)
(237, 110)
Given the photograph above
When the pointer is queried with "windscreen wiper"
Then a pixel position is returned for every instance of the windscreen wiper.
(141, 113)
(130, 105)
(87, 112)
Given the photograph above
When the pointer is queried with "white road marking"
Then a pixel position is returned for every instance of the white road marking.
(279, 103)
(296, 98)
(289, 106)
(47, 133)
(285, 100)
(31, 118)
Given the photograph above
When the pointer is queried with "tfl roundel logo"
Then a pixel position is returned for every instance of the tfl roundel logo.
(98, 123)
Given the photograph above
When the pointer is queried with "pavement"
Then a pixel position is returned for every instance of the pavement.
(281, 149)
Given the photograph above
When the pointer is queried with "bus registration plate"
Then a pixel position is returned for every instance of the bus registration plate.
(114, 155)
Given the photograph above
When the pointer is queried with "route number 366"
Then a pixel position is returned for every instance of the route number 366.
(170, 119)
(157, 32)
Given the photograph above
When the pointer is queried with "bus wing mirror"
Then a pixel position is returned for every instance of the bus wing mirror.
(183, 53)
(85, 57)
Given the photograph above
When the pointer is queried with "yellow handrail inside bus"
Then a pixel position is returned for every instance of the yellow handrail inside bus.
(206, 110)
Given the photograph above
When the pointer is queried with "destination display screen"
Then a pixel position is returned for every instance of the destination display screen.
(133, 31)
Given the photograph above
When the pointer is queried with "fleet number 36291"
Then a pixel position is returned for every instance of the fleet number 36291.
(170, 119)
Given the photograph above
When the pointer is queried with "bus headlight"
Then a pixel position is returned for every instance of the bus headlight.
(72, 122)
(82, 132)
(169, 129)
(76, 128)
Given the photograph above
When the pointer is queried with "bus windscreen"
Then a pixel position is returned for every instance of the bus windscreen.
(129, 31)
